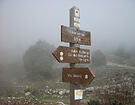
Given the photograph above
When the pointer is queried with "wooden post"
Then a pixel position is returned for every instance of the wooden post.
(74, 22)
(74, 54)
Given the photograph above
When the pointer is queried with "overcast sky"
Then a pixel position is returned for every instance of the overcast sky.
(23, 22)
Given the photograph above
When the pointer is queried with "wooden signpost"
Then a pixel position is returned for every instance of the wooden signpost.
(73, 35)
(77, 75)
(74, 54)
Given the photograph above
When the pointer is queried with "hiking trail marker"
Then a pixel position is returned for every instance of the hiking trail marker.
(75, 55)
(73, 35)
(72, 55)
(77, 75)
(78, 94)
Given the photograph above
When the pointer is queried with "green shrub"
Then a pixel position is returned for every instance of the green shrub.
(38, 61)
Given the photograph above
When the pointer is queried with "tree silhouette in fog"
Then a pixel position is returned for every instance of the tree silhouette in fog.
(98, 58)
(38, 61)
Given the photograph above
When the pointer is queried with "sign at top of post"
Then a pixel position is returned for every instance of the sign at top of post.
(74, 35)
(75, 17)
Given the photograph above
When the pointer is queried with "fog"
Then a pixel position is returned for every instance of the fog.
(33, 70)
(23, 22)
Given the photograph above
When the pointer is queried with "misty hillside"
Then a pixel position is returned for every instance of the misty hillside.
(30, 30)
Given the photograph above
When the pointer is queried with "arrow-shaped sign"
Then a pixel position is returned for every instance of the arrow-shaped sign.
(77, 75)
(72, 55)
(73, 35)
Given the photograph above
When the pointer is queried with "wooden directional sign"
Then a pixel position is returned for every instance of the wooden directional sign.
(77, 75)
(72, 55)
(73, 35)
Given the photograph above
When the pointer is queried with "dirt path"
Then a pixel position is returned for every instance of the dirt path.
(120, 65)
